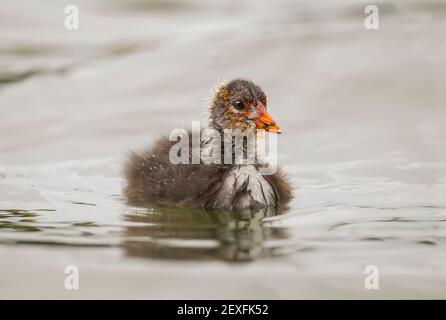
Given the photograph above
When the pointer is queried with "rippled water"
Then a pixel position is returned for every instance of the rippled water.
(364, 145)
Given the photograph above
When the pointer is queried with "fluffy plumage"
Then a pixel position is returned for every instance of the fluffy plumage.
(152, 178)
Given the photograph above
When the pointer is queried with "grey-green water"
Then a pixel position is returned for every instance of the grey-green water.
(364, 144)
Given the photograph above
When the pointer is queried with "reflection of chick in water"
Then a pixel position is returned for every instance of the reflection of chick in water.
(174, 233)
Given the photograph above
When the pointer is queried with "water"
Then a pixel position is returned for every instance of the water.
(362, 115)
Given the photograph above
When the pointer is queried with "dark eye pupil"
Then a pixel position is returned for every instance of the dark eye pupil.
(238, 105)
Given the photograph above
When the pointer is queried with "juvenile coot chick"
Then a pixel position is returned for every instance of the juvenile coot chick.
(240, 105)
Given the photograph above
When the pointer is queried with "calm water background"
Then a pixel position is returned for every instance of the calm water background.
(364, 142)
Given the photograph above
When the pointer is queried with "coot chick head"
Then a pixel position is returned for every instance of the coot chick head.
(241, 104)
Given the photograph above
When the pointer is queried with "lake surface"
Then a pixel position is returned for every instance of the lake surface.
(364, 140)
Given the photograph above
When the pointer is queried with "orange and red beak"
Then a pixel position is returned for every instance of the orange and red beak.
(265, 121)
